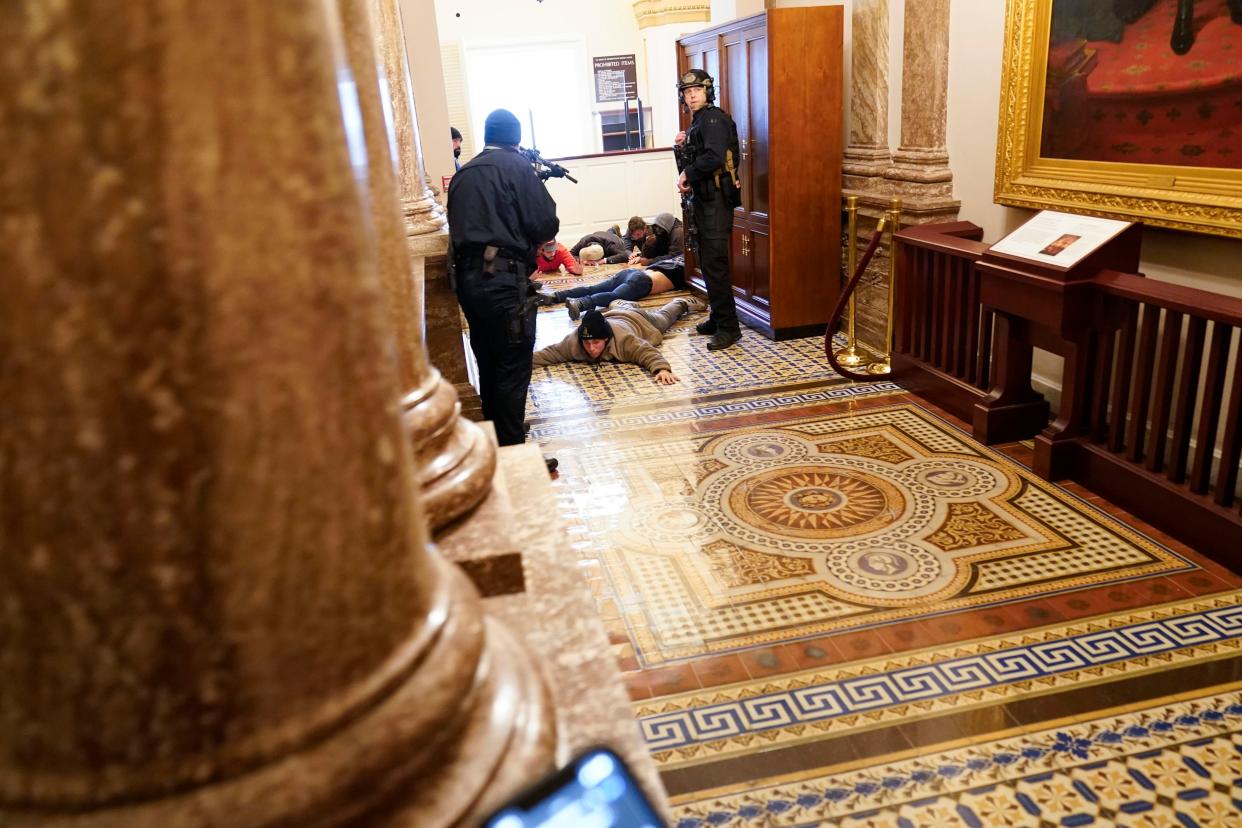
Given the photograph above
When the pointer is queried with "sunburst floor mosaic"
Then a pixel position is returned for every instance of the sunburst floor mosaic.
(831, 606)
(772, 533)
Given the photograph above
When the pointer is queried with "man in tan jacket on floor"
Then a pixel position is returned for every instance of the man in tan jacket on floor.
(625, 333)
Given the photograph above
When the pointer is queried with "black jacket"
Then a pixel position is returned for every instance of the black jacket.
(616, 249)
(497, 199)
(711, 133)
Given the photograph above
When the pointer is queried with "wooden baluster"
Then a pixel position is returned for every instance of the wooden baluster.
(1209, 408)
(950, 313)
(926, 305)
(1121, 387)
(969, 354)
(1141, 398)
(1187, 393)
(1231, 445)
(939, 311)
(901, 284)
(959, 315)
(915, 298)
(1166, 367)
(983, 370)
(908, 275)
(907, 298)
(1101, 384)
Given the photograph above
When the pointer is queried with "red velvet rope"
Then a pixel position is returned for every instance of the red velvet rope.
(835, 319)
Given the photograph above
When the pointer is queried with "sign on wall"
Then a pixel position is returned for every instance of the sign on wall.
(616, 78)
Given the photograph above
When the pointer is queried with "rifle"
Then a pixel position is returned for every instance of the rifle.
(684, 155)
(545, 168)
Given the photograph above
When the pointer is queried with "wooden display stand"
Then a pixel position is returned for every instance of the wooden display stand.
(778, 74)
(1057, 308)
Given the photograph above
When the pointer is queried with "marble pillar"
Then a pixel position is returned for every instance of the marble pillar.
(423, 214)
(218, 603)
(454, 457)
(866, 155)
(920, 173)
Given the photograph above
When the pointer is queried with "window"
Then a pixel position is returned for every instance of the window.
(541, 81)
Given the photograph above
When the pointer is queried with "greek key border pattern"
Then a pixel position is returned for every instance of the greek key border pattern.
(920, 683)
(589, 426)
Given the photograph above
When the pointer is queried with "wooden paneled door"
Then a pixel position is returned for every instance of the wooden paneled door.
(774, 68)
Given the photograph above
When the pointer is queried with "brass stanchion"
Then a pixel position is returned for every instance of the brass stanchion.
(849, 355)
(893, 214)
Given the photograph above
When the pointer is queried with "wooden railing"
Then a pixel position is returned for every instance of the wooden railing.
(1157, 423)
(1151, 404)
(942, 337)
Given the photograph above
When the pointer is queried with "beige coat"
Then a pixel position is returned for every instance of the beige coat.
(634, 339)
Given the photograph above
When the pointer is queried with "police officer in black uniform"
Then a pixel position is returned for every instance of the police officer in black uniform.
(709, 151)
(499, 213)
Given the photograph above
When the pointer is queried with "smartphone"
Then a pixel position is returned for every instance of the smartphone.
(595, 790)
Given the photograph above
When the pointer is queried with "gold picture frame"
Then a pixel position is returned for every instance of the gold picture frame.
(1198, 199)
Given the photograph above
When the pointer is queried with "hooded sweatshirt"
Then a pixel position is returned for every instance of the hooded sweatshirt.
(674, 238)
(634, 339)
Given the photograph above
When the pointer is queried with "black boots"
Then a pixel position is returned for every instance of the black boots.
(723, 339)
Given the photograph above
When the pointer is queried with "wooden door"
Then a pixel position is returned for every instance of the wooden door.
(759, 263)
(755, 146)
(741, 270)
(737, 101)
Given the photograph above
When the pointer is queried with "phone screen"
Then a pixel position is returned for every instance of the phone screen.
(596, 790)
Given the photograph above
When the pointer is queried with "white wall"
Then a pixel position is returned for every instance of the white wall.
(606, 27)
(612, 188)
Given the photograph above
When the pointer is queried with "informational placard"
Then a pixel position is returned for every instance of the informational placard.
(1059, 239)
(616, 78)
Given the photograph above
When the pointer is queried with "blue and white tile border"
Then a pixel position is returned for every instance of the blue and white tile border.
(863, 694)
(860, 792)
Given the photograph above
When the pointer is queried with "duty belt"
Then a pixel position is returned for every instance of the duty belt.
(490, 260)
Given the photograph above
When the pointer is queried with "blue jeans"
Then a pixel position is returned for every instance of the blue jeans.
(630, 284)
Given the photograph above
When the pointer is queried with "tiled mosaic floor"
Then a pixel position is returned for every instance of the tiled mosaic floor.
(832, 606)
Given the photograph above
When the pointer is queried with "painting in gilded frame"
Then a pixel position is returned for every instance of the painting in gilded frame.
(1130, 109)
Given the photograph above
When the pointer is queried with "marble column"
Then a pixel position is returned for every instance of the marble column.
(454, 457)
(218, 602)
(423, 214)
(866, 155)
(920, 173)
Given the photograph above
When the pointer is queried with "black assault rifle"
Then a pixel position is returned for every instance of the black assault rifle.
(684, 154)
(545, 168)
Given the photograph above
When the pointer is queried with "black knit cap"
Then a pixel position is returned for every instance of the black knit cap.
(594, 326)
(502, 127)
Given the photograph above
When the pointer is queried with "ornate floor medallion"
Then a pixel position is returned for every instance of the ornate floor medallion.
(771, 533)
(816, 502)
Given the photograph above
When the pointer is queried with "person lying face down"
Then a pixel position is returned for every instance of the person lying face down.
(622, 334)
(630, 284)
(613, 246)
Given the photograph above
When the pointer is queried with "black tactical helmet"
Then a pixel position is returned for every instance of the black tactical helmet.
(697, 77)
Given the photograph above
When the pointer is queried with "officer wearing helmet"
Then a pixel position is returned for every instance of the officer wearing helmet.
(709, 151)
(499, 214)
